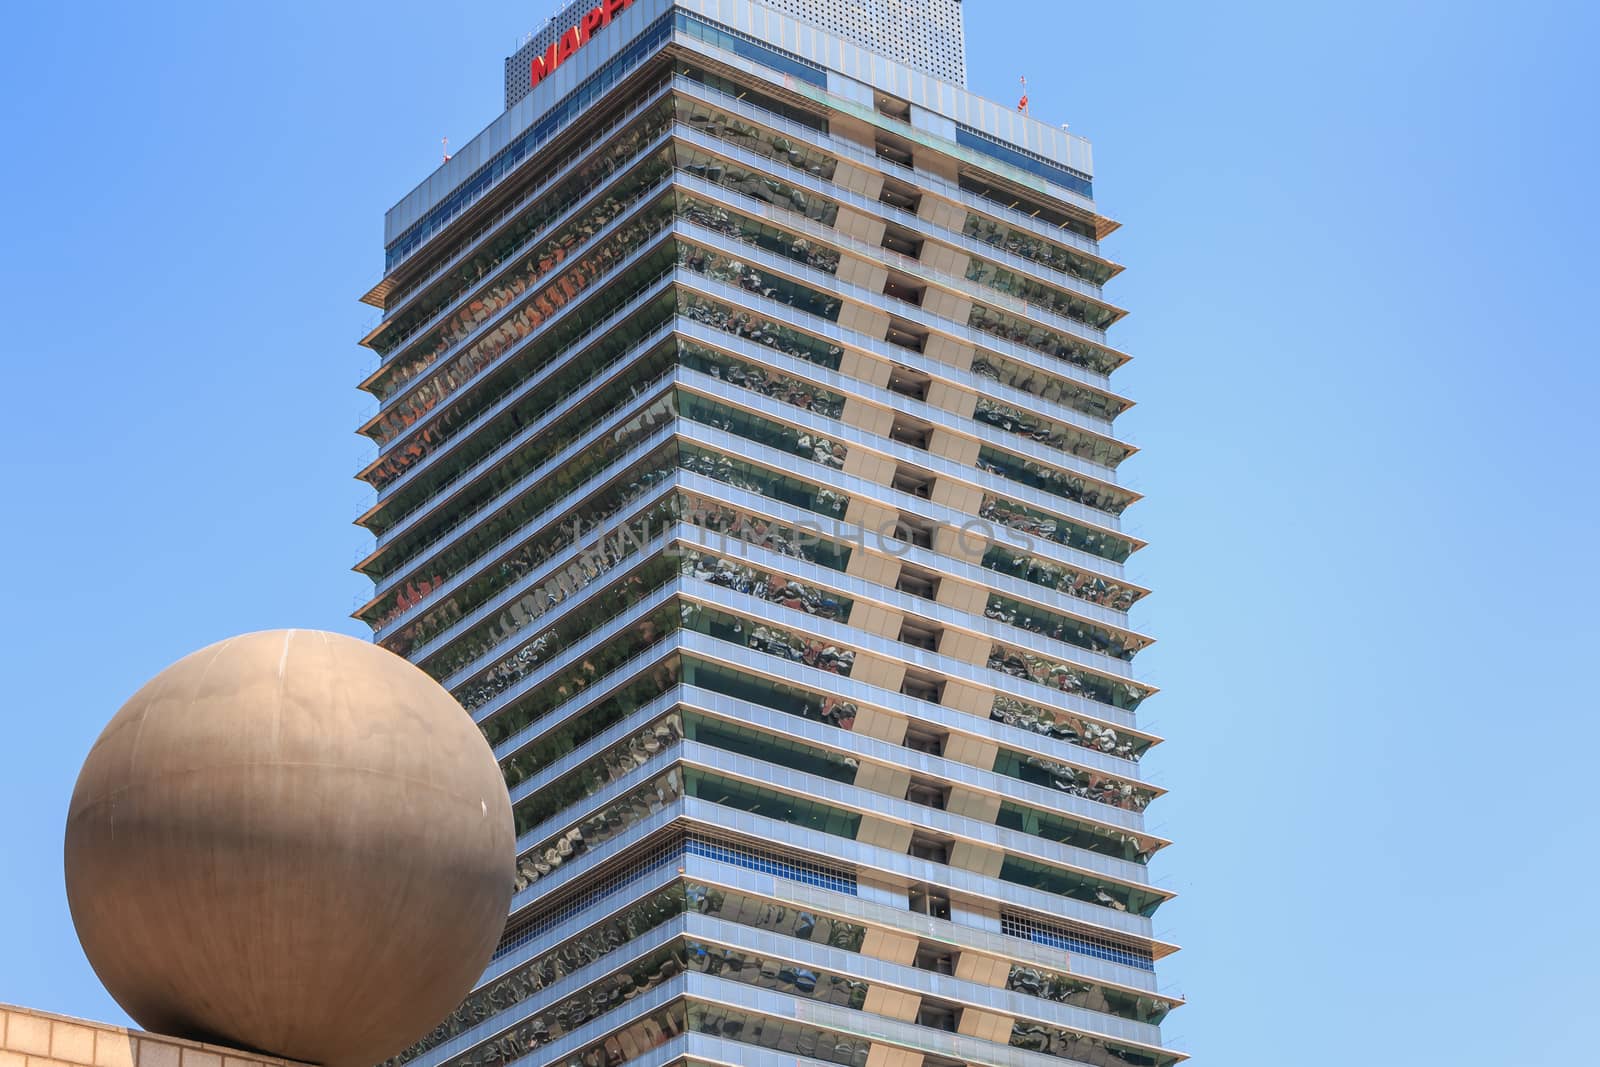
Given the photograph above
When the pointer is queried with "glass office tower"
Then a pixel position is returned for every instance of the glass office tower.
(746, 467)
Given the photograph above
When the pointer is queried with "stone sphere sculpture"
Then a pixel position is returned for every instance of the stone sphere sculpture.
(291, 842)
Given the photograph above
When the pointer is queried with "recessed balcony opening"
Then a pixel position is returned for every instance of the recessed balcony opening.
(899, 287)
(914, 530)
(935, 958)
(910, 480)
(908, 382)
(927, 847)
(928, 793)
(921, 634)
(900, 194)
(920, 686)
(905, 335)
(909, 431)
(897, 238)
(939, 1016)
(896, 150)
(922, 739)
(893, 106)
(918, 582)
(929, 900)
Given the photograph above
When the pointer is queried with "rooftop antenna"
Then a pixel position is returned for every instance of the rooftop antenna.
(1022, 105)
(446, 142)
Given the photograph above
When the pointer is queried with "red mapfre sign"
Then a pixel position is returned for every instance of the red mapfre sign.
(575, 38)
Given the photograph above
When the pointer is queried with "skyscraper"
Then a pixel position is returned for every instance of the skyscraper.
(747, 470)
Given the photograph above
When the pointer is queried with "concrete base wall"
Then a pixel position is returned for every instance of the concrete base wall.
(31, 1038)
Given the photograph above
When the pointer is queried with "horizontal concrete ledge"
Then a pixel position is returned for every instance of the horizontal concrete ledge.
(30, 1038)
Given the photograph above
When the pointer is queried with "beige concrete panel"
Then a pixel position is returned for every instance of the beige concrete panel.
(968, 648)
(984, 970)
(871, 567)
(974, 752)
(959, 495)
(940, 165)
(864, 463)
(883, 469)
(948, 350)
(971, 856)
(942, 213)
(876, 619)
(873, 669)
(954, 447)
(852, 128)
(860, 225)
(865, 368)
(974, 805)
(862, 319)
(887, 469)
(881, 1000)
(942, 441)
(867, 416)
(881, 833)
(889, 1056)
(871, 722)
(26, 1033)
(967, 697)
(13, 1059)
(882, 778)
(871, 516)
(986, 1025)
(944, 259)
(114, 1048)
(72, 1043)
(894, 729)
(118, 1047)
(969, 544)
(889, 945)
(963, 596)
(857, 271)
(947, 305)
(858, 180)
(947, 397)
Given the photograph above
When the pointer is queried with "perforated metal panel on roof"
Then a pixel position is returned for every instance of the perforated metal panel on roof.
(925, 34)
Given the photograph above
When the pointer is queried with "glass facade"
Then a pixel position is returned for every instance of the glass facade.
(1041, 430)
(1056, 301)
(1020, 242)
(1077, 730)
(1039, 382)
(1051, 674)
(1037, 524)
(689, 402)
(1082, 584)
(1090, 494)
(1024, 333)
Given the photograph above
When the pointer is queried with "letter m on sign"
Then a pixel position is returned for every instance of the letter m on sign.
(541, 66)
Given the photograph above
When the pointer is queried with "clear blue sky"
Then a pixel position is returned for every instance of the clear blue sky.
(1360, 244)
